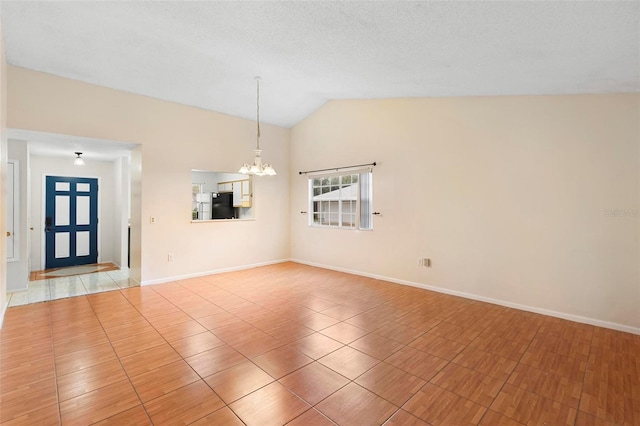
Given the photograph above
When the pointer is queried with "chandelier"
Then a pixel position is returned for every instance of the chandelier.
(257, 168)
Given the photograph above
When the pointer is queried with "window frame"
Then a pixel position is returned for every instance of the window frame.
(355, 214)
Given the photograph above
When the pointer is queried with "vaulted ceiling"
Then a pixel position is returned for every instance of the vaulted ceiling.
(206, 53)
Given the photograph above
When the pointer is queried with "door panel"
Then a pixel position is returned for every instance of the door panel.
(63, 206)
(83, 210)
(83, 243)
(62, 245)
(71, 223)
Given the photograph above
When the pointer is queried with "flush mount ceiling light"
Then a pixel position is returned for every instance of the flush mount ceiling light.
(78, 161)
(257, 169)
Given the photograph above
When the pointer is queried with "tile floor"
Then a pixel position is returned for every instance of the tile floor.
(292, 344)
(41, 290)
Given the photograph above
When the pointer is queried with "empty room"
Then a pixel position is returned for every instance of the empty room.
(320, 213)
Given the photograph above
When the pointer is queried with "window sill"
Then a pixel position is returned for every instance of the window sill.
(338, 227)
(224, 220)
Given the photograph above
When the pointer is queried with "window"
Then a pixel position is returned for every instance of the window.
(341, 200)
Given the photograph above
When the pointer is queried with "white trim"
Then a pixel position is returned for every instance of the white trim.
(4, 311)
(15, 202)
(212, 272)
(570, 317)
(43, 211)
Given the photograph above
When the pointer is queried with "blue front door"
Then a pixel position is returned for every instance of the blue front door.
(71, 221)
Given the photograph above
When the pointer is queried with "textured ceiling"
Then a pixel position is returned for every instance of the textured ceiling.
(206, 53)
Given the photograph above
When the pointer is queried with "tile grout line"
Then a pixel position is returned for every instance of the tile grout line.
(371, 368)
(350, 380)
(451, 361)
(505, 382)
(427, 382)
(398, 408)
(55, 373)
(181, 357)
(55, 368)
(584, 378)
(437, 372)
(119, 362)
(168, 343)
(249, 359)
(228, 405)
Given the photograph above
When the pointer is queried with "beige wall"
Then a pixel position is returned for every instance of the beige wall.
(506, 195)
(174, 139)
(3, 177)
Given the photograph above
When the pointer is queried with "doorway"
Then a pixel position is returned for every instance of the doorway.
(71, 221)
(116, 165)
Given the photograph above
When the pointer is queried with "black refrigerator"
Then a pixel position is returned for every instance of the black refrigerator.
(222, 205)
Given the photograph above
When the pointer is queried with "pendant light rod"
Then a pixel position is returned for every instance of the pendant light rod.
(257, 78)
(258, 168)
(337, 169)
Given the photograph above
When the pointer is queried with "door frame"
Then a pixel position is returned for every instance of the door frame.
(15, 214)
(43, 212)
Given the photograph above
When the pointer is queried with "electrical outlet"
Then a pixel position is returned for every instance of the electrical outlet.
(424, 261)
(152, 219)
(170, 257)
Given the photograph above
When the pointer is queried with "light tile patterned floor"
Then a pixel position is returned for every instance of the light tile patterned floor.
(292, 344)
(42, 290)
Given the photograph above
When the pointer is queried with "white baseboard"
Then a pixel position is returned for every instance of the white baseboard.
(570, 317)
(212, 272)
